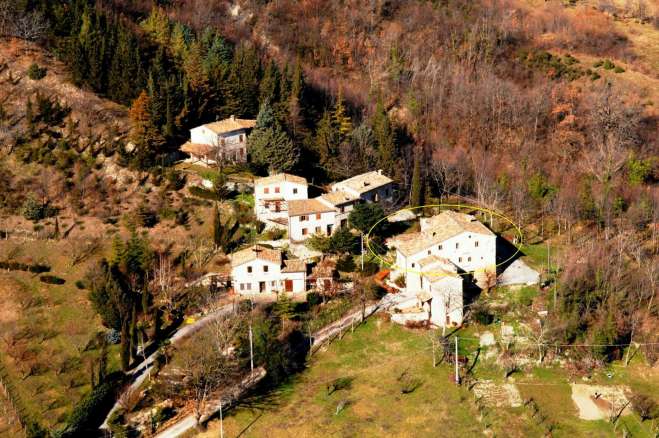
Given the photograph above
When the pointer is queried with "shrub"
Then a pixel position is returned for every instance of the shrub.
(51, 279)
(598, 63)
(370, 268)
(314, 299)
(182, 217)
(400, 281)
(35, 72)
(16, 266)
(619, 69)
(80, 284)
(275, 234)
(202, 193)
(374, 291)
(346, 264)
(481, 314)
(608, 65)
(595, 76)
(645, 407)
(526, 295)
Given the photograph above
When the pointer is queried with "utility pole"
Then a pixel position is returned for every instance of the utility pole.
(362, 252)
(457, 376)
(251, 350)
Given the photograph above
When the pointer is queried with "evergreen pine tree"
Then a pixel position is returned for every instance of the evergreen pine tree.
(271, 148)
(149, 143)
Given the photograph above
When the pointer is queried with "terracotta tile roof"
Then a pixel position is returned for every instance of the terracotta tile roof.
(196, 148)
(437, 229)
(280, 177)
(297, 207)
(364, 182)
(452, 219)
(230, 124)
(255, 252)
(294, 265)
(339, 197)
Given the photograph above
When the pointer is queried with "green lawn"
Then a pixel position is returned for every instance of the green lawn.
(374, 358)
(377, 358)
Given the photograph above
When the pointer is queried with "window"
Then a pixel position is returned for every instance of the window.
(428, 252)
(295, 191)
(303, 218)
(277, 189)
(457, 245)
(249, 269)
(317, 215)
(242, 286)
(459, 259)
(248, 286)
(241, 137)
(318, 230)
(412, 264)
(265, 268)
(304, 231)
(342, 209)
(468, 259)
(439, 247)
(266, 190)
(476, 243)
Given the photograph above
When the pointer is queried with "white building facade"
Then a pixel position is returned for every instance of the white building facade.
(272, 194)
(224, 140)
(261, 270)
(308, 217)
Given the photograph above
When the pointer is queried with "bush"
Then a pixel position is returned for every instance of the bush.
(314, 299)
(346, 264)
(400, 281)
(370, 268)
(645, 407)
(526, 295)
(608, 65)
(16, 266)
(374, 291)
(618, 69)
(36, 73)
(51, 279)
(481, 314)
(202, 193)
(80, 284)
(182, 217)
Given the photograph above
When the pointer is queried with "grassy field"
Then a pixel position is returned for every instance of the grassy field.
(46, 329)
(378, 359)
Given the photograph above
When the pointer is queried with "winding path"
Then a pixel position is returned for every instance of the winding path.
(140, 373)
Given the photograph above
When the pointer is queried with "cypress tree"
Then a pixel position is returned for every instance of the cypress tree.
(217, 226)
(385, 138)
(417, 190)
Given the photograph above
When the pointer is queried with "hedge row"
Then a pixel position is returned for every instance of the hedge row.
(200, 192)
(37, 268)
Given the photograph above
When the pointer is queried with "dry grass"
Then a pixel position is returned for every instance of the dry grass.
(45, 329)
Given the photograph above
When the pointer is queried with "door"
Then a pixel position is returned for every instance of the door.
(329, 229)
(261, 286)
(288, 285)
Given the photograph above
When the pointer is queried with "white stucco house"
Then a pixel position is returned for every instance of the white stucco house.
(342, 202)
(222, 140)
(272, 194)
(457, 237)
(370, 186)
(439, 301)
(310, 216)
(258, 270)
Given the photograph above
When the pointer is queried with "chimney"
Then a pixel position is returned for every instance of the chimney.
(379, 171)
(233, 117)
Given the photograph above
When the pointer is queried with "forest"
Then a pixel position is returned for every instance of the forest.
(545, 111)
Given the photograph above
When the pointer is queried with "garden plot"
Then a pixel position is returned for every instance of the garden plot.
(498, 395)
(597, 402)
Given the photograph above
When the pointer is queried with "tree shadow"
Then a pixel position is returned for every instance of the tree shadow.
(507, 253)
